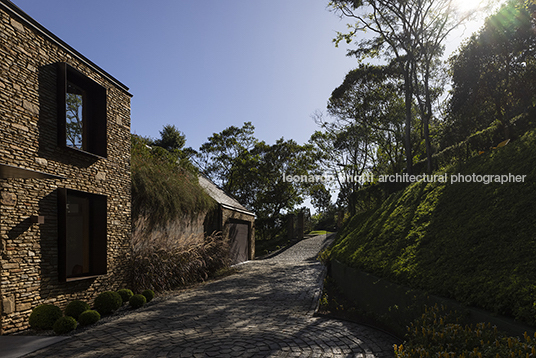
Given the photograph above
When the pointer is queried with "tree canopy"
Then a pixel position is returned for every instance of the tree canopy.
(256, 173)
(409, 35)
(494, 72)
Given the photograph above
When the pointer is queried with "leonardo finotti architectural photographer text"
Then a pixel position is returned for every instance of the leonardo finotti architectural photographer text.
(406, 178)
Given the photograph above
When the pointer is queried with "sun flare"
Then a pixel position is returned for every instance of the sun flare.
(470, 5)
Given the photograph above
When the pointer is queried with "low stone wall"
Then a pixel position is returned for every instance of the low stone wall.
(396, 306)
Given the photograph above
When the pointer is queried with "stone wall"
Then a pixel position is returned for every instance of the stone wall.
(28, 139)
(394, 306)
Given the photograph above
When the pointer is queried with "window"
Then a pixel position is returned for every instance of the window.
(82, 234)
(74, 108)
(81, 112)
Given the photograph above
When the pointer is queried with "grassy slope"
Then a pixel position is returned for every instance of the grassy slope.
(469, 241)
(162, 189)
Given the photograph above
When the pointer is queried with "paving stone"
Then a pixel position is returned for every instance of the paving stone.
(265, 310)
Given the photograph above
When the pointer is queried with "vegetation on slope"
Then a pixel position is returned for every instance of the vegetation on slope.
(473, 242)
(163, 187)
(168, 206)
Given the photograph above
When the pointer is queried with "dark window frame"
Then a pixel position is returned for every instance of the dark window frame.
(94, 135)
(98, 235)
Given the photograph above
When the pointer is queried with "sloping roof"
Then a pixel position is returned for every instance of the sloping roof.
(221, 197)
(28, 20)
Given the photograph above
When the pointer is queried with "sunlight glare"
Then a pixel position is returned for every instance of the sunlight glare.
(466, 6)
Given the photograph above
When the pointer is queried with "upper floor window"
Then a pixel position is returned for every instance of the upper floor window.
(81, 112)
(74, 107)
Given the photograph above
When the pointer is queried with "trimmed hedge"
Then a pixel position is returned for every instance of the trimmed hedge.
(89, 317)
(137, 301)
(64, 325)
(149, 295)
(75, 308)
(44, 316)
(125, 294)
(107, 302)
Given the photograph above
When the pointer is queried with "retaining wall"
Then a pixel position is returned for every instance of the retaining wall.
(396, 306)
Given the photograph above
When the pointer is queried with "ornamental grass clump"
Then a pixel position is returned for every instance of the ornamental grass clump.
(89, 317)
(164, 265)
(149, 295)
(125, 294)
(75, 308)
(108, 302)
(137, 301)
(44, 316)
(64, 325)
(439, 334)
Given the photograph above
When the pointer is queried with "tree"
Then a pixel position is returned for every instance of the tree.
(365, 134)
(494, 72)
(171, 138)
(256, 173)
(320, 197)
(368, 106)
(409, 34)
(173, 141)
(221, 152)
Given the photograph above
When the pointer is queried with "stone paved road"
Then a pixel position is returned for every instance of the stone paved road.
(266, 310)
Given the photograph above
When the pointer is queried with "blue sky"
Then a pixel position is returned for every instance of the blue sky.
(206, 65)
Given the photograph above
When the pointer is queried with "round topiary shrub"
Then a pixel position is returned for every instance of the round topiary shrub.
(137, 301)
(149, 295)
(44, 316)
(107, 302)
(89, 317)
(64, 325)
(125, 294)
(75, 308)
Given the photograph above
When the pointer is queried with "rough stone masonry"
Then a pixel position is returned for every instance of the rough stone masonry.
(29, 270)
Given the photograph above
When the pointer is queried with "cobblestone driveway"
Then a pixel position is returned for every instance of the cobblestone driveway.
(266, 310)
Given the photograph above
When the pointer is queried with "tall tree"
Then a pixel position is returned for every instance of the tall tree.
(408, 34)
(364, 133)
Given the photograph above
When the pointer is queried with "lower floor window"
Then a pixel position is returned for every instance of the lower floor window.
(82, 234)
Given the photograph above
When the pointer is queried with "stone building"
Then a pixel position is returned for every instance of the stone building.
(233, 220)
(64, 172)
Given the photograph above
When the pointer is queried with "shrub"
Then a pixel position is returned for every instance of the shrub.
(89, 317)
(137, 301)
(64, 325)
(107, 302)
(44, 316)
(165, 267)
(75, 308)
(125, 294)
(149, 295)
(439, 334)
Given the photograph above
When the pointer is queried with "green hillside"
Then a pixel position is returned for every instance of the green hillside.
(473, 242)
